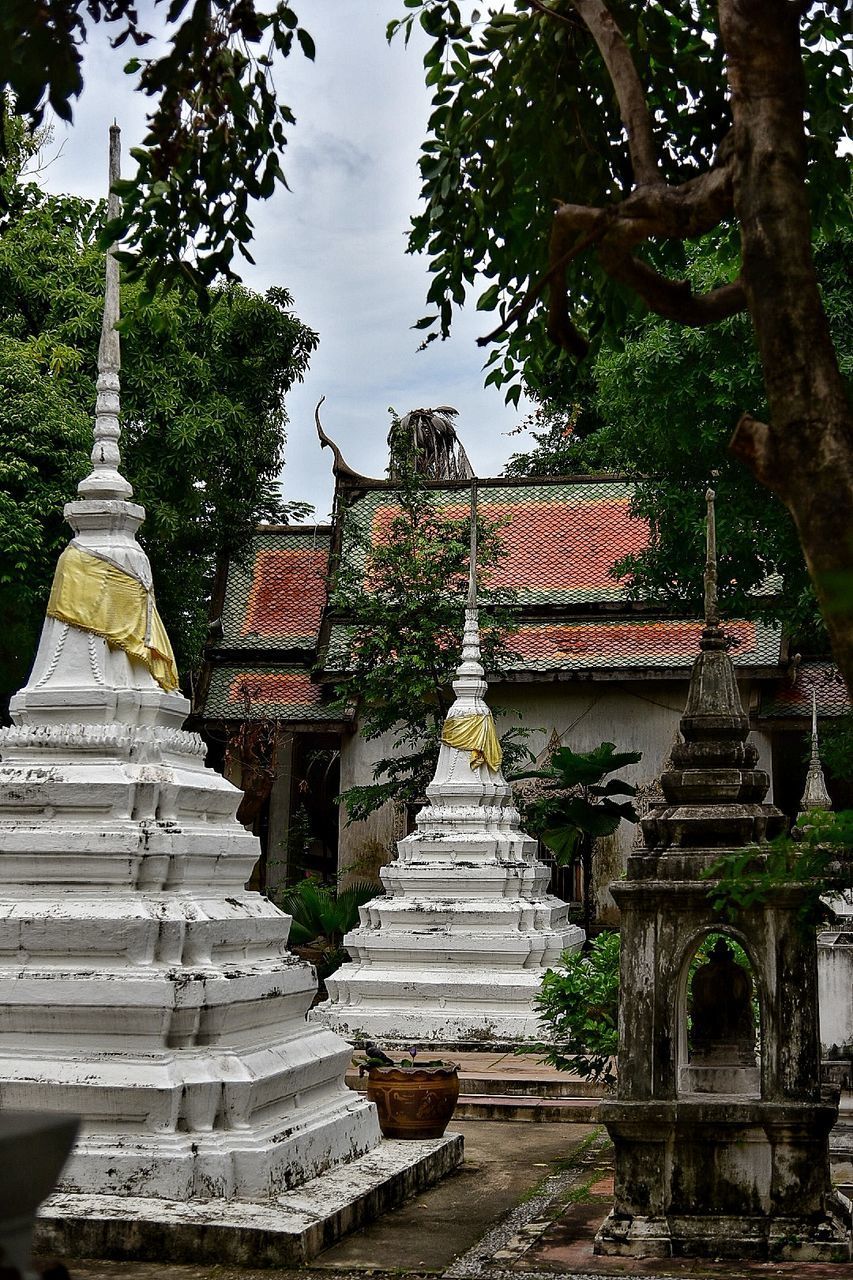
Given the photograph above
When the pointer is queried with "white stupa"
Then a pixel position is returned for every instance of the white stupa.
(455, 950)
(141, 985)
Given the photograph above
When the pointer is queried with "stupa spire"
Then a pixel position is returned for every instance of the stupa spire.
(712, 613)
(471, 666)
(815, 795)
(105, 479)
(714, 793)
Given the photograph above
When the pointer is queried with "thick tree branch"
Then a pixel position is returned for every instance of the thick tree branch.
(662, 212)
(630, 95)
(673, 299)
(558, 264)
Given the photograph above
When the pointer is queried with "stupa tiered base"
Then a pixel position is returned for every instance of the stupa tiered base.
(455, 951)
(141, 985)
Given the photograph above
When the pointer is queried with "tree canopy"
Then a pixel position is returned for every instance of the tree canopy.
(203, 417)
(216, 128)
(657, 404)
(578, 148)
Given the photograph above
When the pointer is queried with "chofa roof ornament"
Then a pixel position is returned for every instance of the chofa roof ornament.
(428, 437)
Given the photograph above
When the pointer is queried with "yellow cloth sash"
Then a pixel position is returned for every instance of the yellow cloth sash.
(96, 595)
(477, 735)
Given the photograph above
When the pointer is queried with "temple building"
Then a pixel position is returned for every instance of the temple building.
(588, 665)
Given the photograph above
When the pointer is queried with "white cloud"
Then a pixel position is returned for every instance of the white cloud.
(336, 241)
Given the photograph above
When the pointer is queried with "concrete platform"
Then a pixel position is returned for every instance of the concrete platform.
(285, 1232)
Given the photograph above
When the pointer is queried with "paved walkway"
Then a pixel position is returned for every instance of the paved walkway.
(524, 1206)
(504, 1164)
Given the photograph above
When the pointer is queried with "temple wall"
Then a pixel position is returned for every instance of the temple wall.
(365, 846)
(835, 984)
(636, 716)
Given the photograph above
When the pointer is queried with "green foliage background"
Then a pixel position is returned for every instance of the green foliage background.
(661, 404)
(203, 417)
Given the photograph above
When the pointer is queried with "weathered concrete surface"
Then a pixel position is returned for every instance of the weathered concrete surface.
(503, 1165)
(699, 1172)
(526, 1202)
(288, 1230)
(143, 988)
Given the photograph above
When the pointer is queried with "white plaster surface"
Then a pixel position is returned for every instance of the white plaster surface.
(456, 948)
(141, 985)
(835, 982)
(286, 1230)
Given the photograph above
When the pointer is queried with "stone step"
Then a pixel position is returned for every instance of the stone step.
(484, 1106)
(512, 1087)
(286, 1231)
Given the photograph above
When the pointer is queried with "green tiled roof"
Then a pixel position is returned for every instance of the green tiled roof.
(794, 700)
(592, 644)
(561, 538)
(274, 692)
(274, 599)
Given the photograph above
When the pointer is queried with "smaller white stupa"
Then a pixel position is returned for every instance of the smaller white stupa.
(455, 950)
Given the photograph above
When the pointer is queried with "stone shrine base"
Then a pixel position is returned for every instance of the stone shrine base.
(285, 1232)
(739, 1238)
(707, 1176)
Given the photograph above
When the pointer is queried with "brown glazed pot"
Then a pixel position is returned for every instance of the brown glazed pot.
(413, 1102)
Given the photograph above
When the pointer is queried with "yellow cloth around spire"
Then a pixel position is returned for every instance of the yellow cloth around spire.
(96, 595)
(477, 735)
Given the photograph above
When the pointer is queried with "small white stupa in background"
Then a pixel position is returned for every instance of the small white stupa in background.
(142, 986)
(455, 950)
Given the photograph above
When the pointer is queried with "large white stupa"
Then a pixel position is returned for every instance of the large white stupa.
(141, 985)
(455, 950)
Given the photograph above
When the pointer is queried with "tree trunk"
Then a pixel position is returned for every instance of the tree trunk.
(805, 454)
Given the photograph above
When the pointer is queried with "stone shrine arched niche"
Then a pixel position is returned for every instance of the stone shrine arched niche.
(718, 1017)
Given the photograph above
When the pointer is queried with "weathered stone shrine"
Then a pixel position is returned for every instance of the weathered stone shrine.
(142, 987)
(720, 1126)
(456, 949)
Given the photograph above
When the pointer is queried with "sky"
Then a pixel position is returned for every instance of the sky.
(336, 241)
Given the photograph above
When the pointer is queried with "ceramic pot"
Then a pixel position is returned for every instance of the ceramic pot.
(413, 1102)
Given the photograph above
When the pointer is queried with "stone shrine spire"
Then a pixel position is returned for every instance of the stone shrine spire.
(712, 616)
(713, 775)
(105, 480)
(815, 795)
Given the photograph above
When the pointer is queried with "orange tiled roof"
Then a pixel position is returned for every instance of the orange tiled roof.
(794, 699)
(560, 538)
(274, 599)
(275, 692)
(664, 642)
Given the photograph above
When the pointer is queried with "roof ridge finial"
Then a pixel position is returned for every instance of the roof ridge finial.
(712, 614)
(105, 480)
